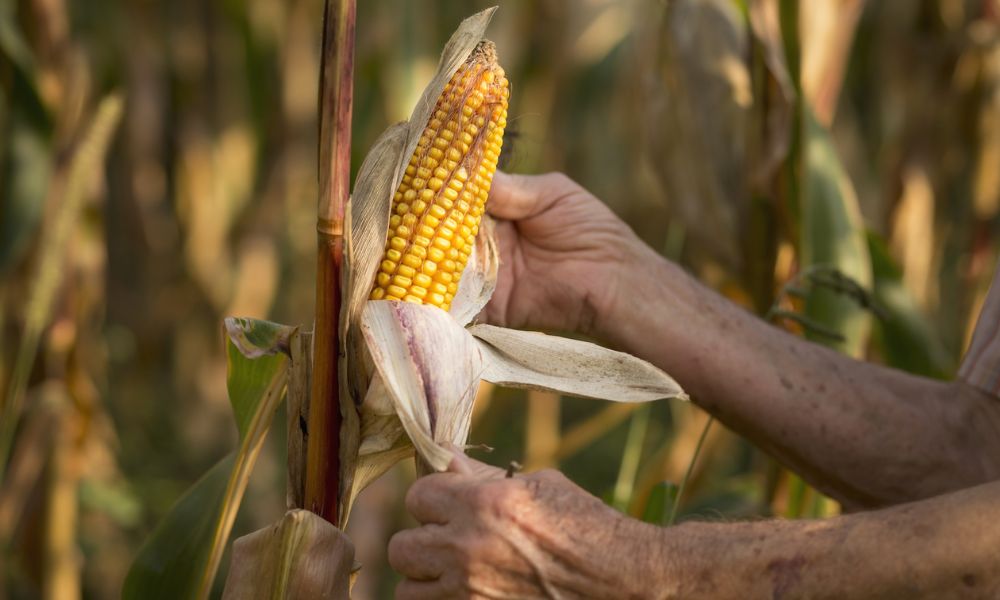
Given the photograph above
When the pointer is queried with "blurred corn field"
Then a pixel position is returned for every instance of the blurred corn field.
(158, 172)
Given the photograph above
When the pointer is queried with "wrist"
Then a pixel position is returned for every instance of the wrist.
(640, 281)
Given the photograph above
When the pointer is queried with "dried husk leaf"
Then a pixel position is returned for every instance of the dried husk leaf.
(300, 556)
(297, 411)
(430, 366)
(479, 279)
(701, 95)
(525, 359)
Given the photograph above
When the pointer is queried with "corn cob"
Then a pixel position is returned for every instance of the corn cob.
(439, 204)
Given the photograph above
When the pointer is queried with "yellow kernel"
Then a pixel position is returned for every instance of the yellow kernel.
(377, 294)
(410, 261)
(412, 299)
(398, 243)
(418, 251)
(435, 184)
(434, 254)
(418, 290)
(426, 230)
(437, 299)
(393, 255)
(406, 271)
(432, 221)
(396, 292)
(421, 279)
(383, 279)
(429, 267)
(438, 211)
(419, 207)
(388, 266)
(443, 277)
(401, 281)
(437, 288)
(442, 243)
(420, 240)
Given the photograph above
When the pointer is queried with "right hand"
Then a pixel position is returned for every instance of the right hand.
(565, 258)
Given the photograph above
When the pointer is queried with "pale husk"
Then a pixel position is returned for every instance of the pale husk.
(430, 366)
(526, 359)
(479, 279)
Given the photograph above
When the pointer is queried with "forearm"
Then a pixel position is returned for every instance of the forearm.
(946, 547)
(865, 434)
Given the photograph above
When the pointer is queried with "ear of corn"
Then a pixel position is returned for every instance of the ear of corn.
(439, 204)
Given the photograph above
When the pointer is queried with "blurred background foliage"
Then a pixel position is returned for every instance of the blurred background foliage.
(867, 138)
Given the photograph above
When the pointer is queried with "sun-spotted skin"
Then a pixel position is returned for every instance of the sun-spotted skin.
(439, 204)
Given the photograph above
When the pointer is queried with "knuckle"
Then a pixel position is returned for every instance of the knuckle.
(413, 495)
(399, 549)
(498, 498)
(551, 476)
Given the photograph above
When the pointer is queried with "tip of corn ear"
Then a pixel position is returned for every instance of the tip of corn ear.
(438, 206)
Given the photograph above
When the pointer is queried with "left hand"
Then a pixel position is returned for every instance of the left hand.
(530, 536)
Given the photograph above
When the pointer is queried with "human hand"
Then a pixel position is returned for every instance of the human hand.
(565, 257)
(531, 536)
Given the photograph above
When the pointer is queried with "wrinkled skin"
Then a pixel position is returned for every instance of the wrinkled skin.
(531, 536)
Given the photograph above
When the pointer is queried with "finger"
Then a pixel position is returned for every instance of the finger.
(471, 468)
(431, 498)
(418, 553)
(410, 589)
(522, 196)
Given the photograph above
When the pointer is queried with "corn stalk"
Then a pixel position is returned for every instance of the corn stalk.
(327, 405)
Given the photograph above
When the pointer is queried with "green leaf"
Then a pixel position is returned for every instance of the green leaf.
(182, 555)
(833, 236)
(903, 335)
(256, 352)
(661, 501)
(171, 561)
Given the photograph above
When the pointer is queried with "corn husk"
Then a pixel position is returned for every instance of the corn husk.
(300, 556)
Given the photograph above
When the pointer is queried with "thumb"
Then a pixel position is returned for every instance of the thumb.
(516, 197)
(463, 465)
